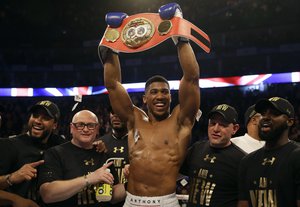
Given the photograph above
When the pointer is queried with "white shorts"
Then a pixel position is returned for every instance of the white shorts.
(144, 201)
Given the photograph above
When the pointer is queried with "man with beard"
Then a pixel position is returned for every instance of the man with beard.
(7, 198)
(20, 156)
(116, 143)
(270, 176)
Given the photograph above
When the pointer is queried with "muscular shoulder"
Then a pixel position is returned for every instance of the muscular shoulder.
(138, 114)
(182, 120)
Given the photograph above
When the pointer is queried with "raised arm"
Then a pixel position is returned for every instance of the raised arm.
(119, 98)
(189, 92)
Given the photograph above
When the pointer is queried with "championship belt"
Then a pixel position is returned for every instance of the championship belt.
(143, 31)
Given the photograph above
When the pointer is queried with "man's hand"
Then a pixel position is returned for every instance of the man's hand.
(114, 20)
(100, 146)
(101, 175)
(26, 172)
(169, 11)
(126, 171)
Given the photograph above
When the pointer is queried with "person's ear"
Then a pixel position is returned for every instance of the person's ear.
(54, 126)
(235, 128)
(144, 99)
(290, 122)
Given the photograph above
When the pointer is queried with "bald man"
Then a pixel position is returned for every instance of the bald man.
(74, 170)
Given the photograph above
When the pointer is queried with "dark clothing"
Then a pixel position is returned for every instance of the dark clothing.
(271, 177)
(213, 175)
(20, 150)
(67, 161)
(117, 152)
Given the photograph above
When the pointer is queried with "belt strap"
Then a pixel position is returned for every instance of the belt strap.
(143, 31)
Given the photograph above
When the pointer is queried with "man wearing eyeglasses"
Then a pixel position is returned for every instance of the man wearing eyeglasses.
(74, 171)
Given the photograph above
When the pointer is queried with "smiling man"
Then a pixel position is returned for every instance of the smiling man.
(20, 156)
(158, 139)
(270, 176)
(73, 172)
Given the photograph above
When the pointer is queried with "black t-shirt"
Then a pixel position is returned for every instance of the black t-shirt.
(20, 150)
(68, 161)
(271, 176)
(213, 175)
(118, 152)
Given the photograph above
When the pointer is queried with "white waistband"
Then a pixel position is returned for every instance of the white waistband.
(157, 201)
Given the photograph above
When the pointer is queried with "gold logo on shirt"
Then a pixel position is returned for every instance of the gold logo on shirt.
(210, 159)
(116, 149)
(268, 161)
(89, 162)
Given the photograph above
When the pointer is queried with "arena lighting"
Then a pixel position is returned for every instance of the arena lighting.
(246, 80)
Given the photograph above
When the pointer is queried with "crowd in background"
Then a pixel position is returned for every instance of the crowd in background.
(248, 37)
(15, 110)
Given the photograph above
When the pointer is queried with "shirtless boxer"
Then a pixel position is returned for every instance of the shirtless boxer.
(157, 140)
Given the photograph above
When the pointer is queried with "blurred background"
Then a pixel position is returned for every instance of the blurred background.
(53, 43)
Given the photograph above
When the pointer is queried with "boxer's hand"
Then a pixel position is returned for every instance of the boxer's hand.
(169, 11)
(114, 20)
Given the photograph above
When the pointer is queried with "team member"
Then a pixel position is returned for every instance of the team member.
(250, 141)
(21, 156)
(157, 140)
(75, 170)
(116, 143)
(270, 176)
(14, 200)
(212, 165)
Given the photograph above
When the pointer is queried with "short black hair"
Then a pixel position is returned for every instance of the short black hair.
(156, 78)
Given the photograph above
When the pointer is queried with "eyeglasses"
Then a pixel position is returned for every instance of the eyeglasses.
(81, 125)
